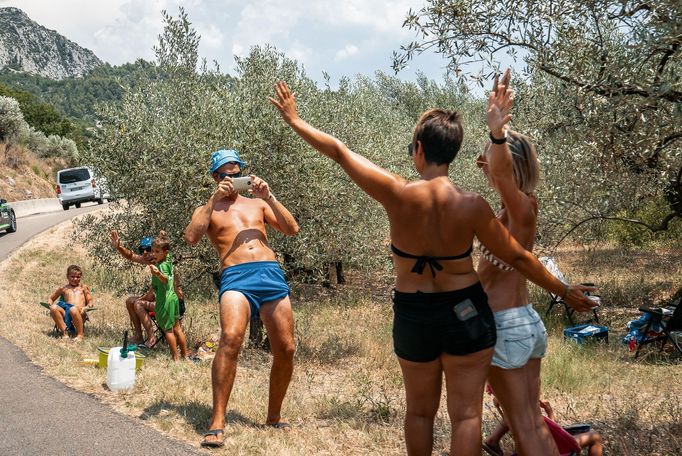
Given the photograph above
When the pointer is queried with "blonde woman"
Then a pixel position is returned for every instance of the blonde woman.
(511, 165)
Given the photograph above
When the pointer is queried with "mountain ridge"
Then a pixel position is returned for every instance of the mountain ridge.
(27, 46)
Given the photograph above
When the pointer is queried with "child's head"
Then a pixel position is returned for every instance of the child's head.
(160, 247)
(73, 275)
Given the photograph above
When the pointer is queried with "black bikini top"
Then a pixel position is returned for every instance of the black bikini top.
(432, 261)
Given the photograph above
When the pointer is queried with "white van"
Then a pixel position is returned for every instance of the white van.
(79, 185)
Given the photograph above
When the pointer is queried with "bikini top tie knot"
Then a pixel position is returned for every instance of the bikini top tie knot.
(432, 261)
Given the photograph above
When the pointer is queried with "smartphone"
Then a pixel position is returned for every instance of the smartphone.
(595, 299)
(465, 310)
(241, 184)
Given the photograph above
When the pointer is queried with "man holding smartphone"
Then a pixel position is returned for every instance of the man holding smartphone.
(251, 281)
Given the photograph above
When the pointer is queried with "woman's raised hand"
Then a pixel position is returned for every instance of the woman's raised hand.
(285, 102)
(500, 102)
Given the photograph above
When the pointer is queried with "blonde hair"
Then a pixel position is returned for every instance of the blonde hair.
(525, 161)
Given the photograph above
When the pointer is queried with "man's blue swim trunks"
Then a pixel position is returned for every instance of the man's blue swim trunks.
(259, 281)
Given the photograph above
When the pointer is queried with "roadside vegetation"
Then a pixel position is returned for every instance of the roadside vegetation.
(610, 211)
(346, 396)
(23, 175)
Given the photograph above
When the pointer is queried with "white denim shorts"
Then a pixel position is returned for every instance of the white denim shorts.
(521, 335)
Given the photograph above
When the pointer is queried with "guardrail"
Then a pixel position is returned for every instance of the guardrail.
(35, 206)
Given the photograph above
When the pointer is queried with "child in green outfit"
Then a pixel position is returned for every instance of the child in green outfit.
(166, 308)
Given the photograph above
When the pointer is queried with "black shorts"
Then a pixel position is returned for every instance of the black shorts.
(456, 322)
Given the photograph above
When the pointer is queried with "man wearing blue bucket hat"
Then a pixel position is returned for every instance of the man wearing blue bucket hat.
(251, 282)
(223, 156)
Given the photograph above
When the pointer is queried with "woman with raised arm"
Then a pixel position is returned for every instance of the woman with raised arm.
(511, 165)
(442, 321)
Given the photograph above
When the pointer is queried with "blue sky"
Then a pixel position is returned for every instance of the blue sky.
(343, 38)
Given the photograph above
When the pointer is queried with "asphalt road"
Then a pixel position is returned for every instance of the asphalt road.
(27, 227)
(40, 416)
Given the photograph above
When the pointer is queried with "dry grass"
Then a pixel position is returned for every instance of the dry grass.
(346, 395)
(24, 176)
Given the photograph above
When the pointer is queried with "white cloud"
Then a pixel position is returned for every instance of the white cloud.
(300, 52)
(378, 16)
(348, 50)
(211, 36)
(237, 50)
(341, 38)
(266, 21)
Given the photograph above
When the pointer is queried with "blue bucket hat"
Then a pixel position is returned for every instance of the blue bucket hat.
(146, 242)
(220, 157)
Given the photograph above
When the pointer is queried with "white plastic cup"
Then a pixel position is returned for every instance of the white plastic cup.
(120, 370)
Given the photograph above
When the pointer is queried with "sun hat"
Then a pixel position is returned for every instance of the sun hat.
(146, 242)
(220, 157)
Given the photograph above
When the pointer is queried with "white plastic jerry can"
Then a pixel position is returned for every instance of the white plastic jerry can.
(120, 369)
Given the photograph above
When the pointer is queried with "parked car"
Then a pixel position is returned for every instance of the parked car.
(80, 185)
(8, 221)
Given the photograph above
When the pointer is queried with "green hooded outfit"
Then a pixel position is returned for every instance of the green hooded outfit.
(167, 304)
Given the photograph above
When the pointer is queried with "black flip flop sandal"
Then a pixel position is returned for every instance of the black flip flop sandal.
(213, 443)
(281, 425)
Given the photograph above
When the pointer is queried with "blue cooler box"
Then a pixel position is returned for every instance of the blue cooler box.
(583, 333)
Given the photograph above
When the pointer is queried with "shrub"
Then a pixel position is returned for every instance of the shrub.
(37, 142)
(58, 146)
(12, 122)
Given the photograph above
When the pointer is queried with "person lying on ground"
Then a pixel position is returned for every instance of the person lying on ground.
(591, 439)
(443, 325)
(68, 304)
(251, 282)
(144, 256)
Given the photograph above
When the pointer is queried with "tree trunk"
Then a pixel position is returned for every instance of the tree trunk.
(340, 277)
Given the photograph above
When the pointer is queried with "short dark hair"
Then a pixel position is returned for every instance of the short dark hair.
(162, 241)
(441, 135)
(73, 268)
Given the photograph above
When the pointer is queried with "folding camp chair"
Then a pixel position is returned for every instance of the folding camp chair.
(670, 320)
(86, 318)
(552, 266)
(158, 332)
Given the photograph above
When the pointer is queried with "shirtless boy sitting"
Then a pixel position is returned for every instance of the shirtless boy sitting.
(68, 312)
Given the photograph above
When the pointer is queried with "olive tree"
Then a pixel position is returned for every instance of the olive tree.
(154, 148)
(603, 94)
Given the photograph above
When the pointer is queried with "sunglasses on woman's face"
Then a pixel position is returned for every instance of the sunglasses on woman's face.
(231, 175)
(142, 250)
